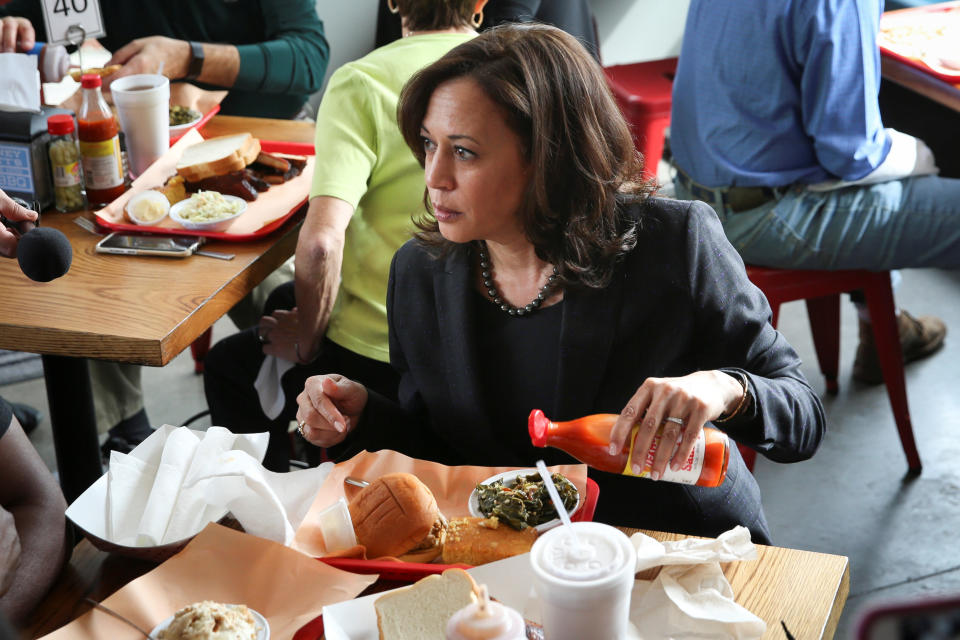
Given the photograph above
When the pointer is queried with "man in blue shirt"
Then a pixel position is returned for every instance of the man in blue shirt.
(776, 123)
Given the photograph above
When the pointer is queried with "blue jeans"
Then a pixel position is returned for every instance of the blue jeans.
(913, 222)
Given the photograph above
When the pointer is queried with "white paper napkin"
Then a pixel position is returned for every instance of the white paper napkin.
(178, 480)
(20, 89)
(267, 384)
(691, 597)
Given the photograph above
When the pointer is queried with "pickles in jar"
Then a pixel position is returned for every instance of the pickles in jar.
(65, 164)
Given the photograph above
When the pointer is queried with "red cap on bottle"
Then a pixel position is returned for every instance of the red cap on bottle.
(537, 425)
(60, 124)
(90, 81)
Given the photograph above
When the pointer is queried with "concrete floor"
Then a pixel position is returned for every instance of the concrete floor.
(851, 499)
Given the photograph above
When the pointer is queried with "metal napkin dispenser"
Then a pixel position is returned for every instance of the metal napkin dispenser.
(24, 164)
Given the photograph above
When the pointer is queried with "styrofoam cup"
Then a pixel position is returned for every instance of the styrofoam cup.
(584, 583)
(143, 104)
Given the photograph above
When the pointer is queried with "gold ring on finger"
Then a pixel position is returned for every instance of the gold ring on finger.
(300, 425)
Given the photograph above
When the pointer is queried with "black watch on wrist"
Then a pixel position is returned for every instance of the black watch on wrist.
(196, 61)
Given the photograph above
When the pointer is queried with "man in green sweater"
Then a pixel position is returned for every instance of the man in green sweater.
(271, 55)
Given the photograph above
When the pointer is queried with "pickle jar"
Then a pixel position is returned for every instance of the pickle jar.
(64, 154)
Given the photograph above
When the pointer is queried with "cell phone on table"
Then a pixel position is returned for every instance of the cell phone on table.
(921, 619)
(131, 244)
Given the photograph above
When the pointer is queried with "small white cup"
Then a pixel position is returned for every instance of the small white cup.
(143, 104)
(584, 590)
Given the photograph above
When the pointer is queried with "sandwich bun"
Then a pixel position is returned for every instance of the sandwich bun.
(103, 72)
(396, 515)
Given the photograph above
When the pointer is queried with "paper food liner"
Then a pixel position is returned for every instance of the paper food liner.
(183, 94)
(451, 486)
(287, 587)
(271, 205)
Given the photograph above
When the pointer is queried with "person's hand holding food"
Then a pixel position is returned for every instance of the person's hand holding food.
(682, 406)
(145, 55)
(9, 550)
(329, 408)
(16, 31)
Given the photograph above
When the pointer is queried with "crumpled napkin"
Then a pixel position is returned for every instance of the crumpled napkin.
(178, 480)
(20, 89)
(691, 597)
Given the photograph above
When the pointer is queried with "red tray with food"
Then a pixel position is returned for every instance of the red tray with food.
(403, 572)
(176, 134)
(268, 181)
(927, 38)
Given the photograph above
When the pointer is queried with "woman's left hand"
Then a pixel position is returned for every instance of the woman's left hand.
(278, 334)
(682, 405)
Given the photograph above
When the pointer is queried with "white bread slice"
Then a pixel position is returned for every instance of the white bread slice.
(421, 611)
(218, 156)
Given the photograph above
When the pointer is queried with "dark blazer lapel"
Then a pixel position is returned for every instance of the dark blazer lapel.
(451, 281)
(586, 337)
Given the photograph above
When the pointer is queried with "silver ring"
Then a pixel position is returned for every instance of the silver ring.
(678, 421)
(263, 337)
(300, 426)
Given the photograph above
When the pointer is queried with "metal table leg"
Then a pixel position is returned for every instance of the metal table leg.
(74, 423)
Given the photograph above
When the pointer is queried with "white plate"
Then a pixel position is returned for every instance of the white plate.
(474, 504)
(210, 225)
(180, 129)
(263, 627)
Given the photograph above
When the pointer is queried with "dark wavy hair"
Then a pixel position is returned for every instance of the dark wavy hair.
(431, 15)
(582, 157)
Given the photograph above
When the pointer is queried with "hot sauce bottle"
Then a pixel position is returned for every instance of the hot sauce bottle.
(588, 440)
(99, 144)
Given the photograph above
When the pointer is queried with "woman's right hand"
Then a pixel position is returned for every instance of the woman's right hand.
(329, 408)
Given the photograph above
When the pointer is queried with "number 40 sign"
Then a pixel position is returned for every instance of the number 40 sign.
(63, 16)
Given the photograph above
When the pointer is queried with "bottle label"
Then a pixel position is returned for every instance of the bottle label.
(689, 471)
(101, 163)
(66, 175)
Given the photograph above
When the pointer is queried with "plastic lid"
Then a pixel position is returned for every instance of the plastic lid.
(90, 81)
(60, 124)
(596, 556)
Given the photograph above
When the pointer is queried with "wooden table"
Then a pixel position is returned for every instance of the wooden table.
(143, 310)
(803, 589)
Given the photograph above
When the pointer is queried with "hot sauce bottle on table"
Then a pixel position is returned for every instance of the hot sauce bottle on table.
(99, 144)
(588, 439)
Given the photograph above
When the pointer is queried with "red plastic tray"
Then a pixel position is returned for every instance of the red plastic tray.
(902, 52)
(413, 571)
(202, 121)
(292, 148)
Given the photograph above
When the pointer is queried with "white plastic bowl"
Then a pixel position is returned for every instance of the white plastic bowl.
(151, 195)
(507, 476)
(177, 130)
(219, 224)
(263, 627)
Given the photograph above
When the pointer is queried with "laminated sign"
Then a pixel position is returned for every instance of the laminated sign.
(72, 21)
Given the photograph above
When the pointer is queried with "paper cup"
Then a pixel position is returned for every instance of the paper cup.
(143, 105)
(584, 590)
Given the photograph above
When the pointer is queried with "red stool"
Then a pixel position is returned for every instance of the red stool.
(821, 290)
(644, 91)
(199, 349)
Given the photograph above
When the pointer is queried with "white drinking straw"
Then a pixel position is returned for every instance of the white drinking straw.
(557, 503)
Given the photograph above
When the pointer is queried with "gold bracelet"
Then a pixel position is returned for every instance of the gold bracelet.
(744, 399)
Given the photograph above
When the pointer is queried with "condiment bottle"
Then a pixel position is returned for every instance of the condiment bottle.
(99, 144)
(65, 163)
(588, 439)
(484, 619)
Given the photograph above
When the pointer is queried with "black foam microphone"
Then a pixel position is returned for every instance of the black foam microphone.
(44, 254)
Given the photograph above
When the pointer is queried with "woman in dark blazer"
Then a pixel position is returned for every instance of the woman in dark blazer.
(545, 276)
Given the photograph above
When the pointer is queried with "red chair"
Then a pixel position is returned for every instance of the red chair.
(643, 91)
(821, 290)
(199, 349)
